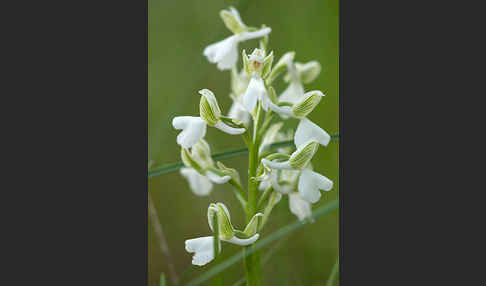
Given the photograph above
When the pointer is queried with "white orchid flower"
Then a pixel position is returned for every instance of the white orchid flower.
(194, 128)
(203, 247)
(202, 185)
(197, 172)
(282, 181)
(225, 53)
(199, 184)
(307, 137)
(294, 94)
(310, 183)
(257, 65)
(308, 130)
(299, 207)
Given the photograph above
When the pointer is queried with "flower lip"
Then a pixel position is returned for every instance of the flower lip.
(199, 184)
(203, 247)
(224, 52)
(299, 207)
(310, 183)
(308, 130)
(193, 130)
(254, 92)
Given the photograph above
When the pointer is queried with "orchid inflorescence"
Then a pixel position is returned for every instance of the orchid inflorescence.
(255, 104)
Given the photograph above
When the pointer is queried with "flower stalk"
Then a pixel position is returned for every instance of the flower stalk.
(252, 261)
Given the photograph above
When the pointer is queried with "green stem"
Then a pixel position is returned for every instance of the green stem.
(252, 261)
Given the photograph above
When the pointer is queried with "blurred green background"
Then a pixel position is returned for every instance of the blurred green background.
(178, 32)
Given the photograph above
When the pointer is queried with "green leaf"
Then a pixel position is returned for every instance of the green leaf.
(324, 209)
(169, 168)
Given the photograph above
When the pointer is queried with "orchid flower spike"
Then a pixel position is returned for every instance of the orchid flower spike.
(225, 52)
(203, 247)
(194, 128)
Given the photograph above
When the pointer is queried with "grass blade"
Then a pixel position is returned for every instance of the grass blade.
(334, 272)
(228, 154)
(326, 208)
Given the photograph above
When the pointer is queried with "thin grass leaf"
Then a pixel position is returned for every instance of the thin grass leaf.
(228, 154)
(262, 243)
(334, 272)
